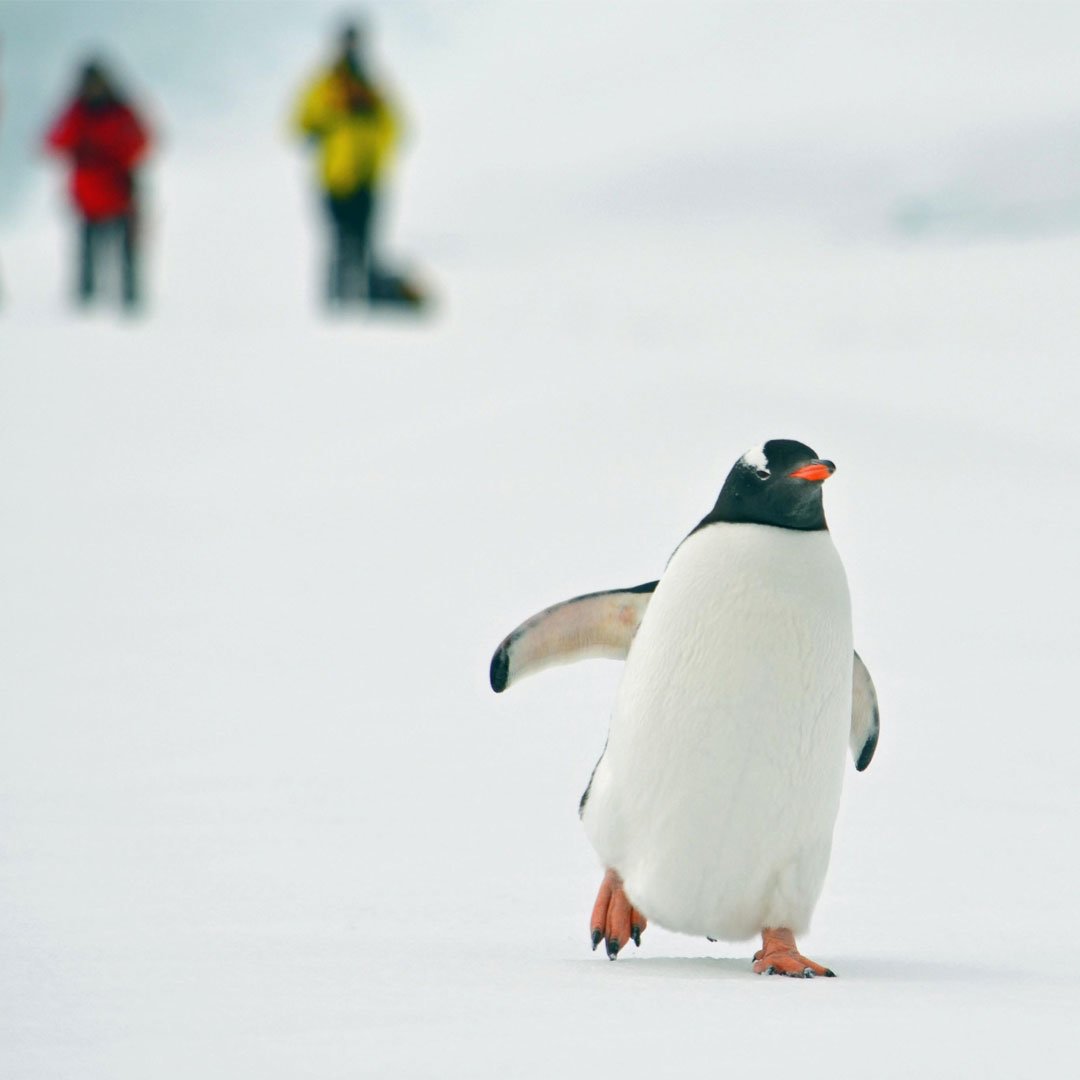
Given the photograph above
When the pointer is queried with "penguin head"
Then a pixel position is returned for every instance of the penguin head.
(778, 483)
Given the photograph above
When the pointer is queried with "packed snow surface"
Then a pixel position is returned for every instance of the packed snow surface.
(260, 814)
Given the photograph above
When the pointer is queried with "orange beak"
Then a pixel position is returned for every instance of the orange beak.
(816, 470)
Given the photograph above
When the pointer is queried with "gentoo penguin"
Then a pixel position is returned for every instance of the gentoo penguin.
(713, 804)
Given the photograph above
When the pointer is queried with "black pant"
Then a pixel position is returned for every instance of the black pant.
(350, 246)
(98, 236)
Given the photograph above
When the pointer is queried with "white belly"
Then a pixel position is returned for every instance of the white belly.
(717, 793)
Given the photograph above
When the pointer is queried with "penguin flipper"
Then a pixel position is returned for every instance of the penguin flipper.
(600, 624)
(865, 718)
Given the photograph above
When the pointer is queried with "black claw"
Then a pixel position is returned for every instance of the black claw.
(830, 974)
(635, 933)
(770, 970)
(712, 939)
(612, 948)
(596, 936)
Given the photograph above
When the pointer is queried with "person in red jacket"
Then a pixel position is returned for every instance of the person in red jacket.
(104, 139)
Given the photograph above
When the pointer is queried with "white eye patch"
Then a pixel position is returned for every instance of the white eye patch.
(756, 460)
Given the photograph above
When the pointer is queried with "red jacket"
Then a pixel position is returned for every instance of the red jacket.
(104, 144)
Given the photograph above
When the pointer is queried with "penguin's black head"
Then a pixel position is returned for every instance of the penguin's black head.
(779, 484)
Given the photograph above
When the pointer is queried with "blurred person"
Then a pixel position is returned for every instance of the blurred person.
(355, 130)
(105, 140)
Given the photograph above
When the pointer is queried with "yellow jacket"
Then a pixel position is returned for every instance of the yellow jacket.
(354, 126)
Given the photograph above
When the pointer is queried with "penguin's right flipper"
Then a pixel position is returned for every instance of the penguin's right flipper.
(599, 624)
(865, 718)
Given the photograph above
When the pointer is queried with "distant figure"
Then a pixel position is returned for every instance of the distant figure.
(352, 123)
(103, 137)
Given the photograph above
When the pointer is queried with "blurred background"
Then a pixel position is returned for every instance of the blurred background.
(258, 807)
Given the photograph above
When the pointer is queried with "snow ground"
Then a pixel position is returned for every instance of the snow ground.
(260, 814)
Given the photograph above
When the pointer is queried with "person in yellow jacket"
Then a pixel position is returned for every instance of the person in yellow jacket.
(355, 130)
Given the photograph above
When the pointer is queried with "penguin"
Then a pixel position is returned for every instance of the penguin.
(713, 804)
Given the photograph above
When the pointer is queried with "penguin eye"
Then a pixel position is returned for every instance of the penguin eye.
(762, 474)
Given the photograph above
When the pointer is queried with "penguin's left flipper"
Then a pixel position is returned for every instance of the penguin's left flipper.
(865, 718)
(598, 624)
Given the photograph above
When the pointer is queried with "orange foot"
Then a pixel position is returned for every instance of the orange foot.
(779, 956)
(614, 918)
